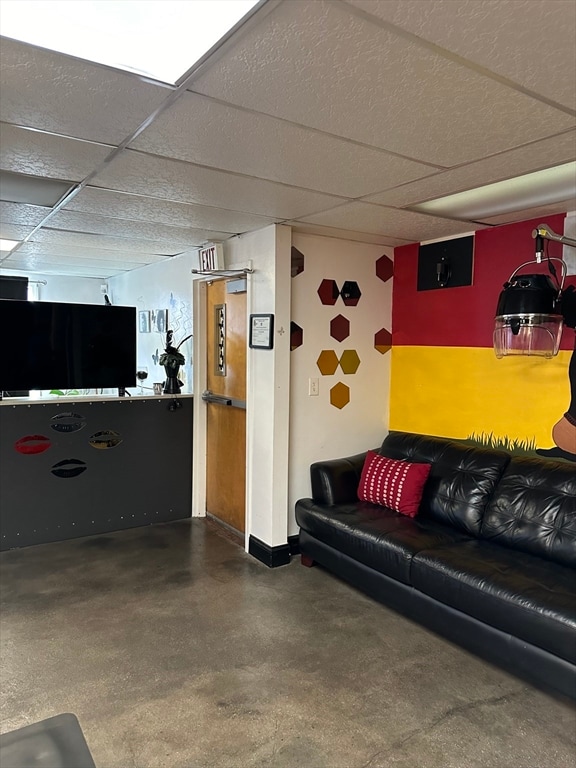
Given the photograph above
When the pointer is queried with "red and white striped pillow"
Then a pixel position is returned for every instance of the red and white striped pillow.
(391, 483)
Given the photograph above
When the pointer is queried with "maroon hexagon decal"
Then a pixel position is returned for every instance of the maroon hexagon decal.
(297, 265)
(296, 336)
(350, 293)
(339, 328)
(384, 268)
(328, 292)
(382, 341)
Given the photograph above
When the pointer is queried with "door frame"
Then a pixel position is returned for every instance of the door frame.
(200, 378)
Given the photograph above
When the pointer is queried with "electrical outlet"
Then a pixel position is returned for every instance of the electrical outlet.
(313, 387)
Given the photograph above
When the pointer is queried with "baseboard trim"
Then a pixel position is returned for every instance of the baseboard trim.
(270, 556)
(294, 544)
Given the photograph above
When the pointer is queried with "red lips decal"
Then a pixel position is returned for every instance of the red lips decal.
(32, 444)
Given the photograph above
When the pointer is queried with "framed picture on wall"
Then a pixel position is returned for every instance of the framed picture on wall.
(261, 331)
(144, 321)
(161, 320)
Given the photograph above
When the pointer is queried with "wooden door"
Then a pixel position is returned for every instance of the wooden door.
(226, 405)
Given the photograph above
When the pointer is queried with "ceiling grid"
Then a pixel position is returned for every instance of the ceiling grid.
(336, 117)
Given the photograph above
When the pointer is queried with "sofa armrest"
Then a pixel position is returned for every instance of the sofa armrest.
(336, 481)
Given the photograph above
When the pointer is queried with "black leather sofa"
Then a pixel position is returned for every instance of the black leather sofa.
(489, 561)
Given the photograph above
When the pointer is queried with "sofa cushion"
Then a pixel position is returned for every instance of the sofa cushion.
(393, 483)
(461, 481)
(515, 592)
(375, 536)
(534, 510)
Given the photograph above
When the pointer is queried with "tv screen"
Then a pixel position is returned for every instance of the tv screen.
(54, 345)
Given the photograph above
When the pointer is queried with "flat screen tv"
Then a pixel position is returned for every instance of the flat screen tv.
(55, 345)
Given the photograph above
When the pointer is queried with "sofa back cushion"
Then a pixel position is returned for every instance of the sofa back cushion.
(461, 481)
(534, 509)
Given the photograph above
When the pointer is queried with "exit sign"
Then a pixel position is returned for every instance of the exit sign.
(211, 257)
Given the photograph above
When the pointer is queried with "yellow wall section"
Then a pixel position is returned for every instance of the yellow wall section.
(457, 391)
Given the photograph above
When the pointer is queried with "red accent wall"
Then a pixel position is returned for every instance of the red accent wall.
(464, 317)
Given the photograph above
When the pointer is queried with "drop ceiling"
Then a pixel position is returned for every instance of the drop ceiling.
(337, 117)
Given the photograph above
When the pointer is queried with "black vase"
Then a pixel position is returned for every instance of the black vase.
(172, 384)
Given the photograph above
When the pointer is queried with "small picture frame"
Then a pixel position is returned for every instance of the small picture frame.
(261, 332)
(144, 321)
(161, 320)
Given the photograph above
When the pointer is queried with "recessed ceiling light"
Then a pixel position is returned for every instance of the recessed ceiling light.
(552, 185)
(8, 245)
(160, 39)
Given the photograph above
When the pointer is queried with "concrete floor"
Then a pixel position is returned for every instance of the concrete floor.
(176, 649)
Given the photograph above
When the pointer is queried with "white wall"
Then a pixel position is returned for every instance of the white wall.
(267, 252)
(75, 290)
(319, 430)
(268, 387)
(165, 285)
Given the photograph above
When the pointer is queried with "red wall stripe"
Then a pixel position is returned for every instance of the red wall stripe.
(464, 317)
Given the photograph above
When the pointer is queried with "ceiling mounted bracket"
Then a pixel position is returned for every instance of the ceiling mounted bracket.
(222, 272)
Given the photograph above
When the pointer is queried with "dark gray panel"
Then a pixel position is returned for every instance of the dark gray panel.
(446, 264)
(56, 485)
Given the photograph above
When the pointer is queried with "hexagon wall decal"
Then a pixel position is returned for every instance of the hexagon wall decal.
(327, 362)
(296, 336)
(328, 292)
(339, 328)
(350, 293)
(383, 341)
(297, 264)
(384, 268)
(339, 395)
(349, 361)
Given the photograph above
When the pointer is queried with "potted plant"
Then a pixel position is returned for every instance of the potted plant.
(172, 359)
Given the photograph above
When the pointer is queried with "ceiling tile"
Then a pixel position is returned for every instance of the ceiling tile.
(32, 190)
(57, 237)
(346, 234)
(72, 97)
(532, 213)
(87, 255)
(321, 65)
(17, 213)
(534, 157)
(392, 222)
(14, 231)
(175, 180)
(144, 208)
(38, 266)
(138, 230)
(199, 130)
(44, 154)
(531, 43)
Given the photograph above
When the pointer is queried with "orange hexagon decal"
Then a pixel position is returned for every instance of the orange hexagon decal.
(349, 361)
(327, 362)
(340, 395)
